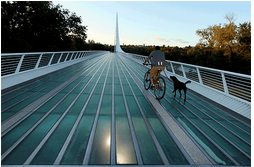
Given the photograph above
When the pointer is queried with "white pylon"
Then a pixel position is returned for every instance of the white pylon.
(117, 47)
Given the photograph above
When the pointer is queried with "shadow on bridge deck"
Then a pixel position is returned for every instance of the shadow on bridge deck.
(97, 112)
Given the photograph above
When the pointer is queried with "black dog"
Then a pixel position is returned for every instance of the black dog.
(179, 85)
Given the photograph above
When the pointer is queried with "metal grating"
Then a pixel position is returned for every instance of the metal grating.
(45, 60)
(191, 73)
(56, 58)
(29, 62)
(178, 69)
(9, 64)
(239, 86)
(63, 57)
(212, 79)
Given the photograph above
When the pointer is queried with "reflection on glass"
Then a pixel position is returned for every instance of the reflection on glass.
(102, 140)
(125, 153)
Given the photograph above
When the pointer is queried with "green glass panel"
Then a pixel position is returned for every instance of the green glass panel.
(145, 105)
(78, 79)
(109, 80)
(11, 137)
(49, 104)
(92, 105)
(173, 153)
(6, 115)
(78, 105)
(106, 105)
(11, 94)
(127, 90)
(108, 89)
(75, 152)
(50, 87)
(170, 108)
(137, 90)
(116, 81)
(50, 150)
(124, 81)
(86, 79)
(15, 99)
(210, 148)
(118, 89)
(125, 153)
(240, 143)
(26, 102)
(98, 88)
(101, 80)
(237, 155)
(20, 154)
(237, 130)
(94, 79)
(100, 153)
(196, 111)
(69, 87)
(133, 107)
(64, 104)
(131, 81)
(241, 125)
(119, 105)
(147, 148)
(181, 108)
(89, 88)
(79, 88)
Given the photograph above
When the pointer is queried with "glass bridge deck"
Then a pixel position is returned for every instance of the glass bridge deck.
(97, 113)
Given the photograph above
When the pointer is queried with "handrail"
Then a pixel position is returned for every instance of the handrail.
(15, 63)
(230, 83)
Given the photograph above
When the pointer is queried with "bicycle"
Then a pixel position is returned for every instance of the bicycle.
(159, 84)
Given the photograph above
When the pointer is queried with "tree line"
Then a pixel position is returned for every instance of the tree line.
(37, 26)
(225, 47)
(41, 26)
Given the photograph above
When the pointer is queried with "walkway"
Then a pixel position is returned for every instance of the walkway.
(97, 112)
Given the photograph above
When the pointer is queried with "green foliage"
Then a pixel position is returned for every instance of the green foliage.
(40, 26)
(226, 47)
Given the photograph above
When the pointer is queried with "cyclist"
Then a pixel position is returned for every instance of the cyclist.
(157, 59)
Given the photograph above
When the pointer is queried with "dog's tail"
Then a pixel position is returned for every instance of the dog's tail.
(187, 82)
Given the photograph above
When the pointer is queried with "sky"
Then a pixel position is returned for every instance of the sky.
(169, 23)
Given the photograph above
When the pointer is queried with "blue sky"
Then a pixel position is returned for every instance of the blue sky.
(172, 23)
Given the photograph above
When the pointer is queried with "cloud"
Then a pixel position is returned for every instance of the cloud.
(158, 38)
(181, 41)
(163, 39)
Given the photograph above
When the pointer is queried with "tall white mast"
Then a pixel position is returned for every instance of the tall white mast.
(117, 47)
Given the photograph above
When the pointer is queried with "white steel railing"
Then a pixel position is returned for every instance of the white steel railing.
(15, 63)
(238, 85)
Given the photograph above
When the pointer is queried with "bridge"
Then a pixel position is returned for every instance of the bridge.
(90, 108)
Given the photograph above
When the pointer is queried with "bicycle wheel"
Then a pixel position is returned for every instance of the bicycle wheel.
(160, 88)
(147, 82)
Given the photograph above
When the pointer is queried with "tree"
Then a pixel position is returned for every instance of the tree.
(38, 26)
(230, 17)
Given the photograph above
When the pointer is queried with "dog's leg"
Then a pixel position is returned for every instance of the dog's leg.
(174, 91)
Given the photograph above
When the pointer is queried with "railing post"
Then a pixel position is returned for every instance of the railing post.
(59, 58)
(184, 75)
(71, 55)
(20, 63)
(172, 67)
(224, 83)
(51, 59)
(66, 57)
(76, 57)
(199, 76)
(38, 62)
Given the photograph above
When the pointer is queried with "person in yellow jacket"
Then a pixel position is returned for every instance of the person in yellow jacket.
(157, 59)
